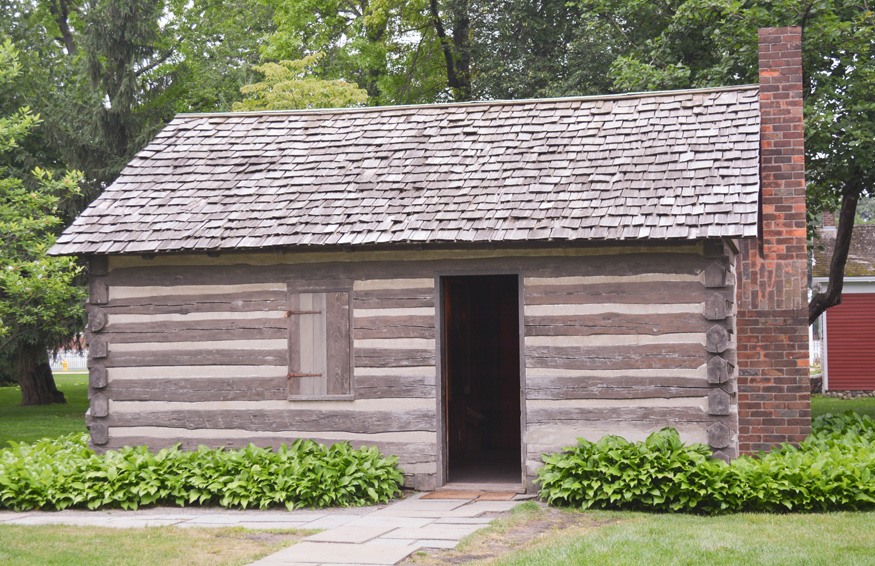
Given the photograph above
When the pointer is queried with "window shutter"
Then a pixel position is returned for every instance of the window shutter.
(319, 346)
(337, 327)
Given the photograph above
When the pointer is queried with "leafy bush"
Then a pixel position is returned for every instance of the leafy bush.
(61, 473)
(832, 469)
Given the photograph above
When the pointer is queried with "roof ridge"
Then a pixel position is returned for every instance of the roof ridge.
(471, 104)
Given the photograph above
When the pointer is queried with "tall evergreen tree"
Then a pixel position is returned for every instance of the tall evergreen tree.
(124, 90)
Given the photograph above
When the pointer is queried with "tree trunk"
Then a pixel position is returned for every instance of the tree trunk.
(61, 11)
(35, 377)
(457, 49)
(833, 294)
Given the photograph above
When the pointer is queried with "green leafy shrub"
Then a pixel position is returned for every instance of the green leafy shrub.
(832, 469)
(62, 473)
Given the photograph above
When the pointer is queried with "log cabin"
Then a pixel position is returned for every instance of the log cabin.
(466, 286)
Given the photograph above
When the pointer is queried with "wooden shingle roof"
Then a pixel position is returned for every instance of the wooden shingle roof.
(672, 165)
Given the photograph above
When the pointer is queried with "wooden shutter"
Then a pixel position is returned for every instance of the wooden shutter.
(319, 344)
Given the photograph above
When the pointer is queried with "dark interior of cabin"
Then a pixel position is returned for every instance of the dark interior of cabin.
(482, 378)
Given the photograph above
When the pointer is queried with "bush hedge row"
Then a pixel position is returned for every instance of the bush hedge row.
(62, 473)
(832, 469)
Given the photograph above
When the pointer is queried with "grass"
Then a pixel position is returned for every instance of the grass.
(822, 405)
(27, 424)
(53, 545)
(623, 538)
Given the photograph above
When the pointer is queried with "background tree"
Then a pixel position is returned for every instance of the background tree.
(289, 85)
(43, 64)
(218, 43)
(385, 46)
(124, 89)
(538, 48)
(40, 302)
(105, 76)
(866, 211)
(697, 43)
(414, 51)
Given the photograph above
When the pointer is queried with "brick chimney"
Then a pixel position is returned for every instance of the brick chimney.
(829, 220)
(773, 389)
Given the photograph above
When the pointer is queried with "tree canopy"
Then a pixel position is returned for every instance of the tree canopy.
(697, 43)
(41, 304)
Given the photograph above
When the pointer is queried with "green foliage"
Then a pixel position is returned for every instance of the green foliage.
(62, 473)
(833, 469)
(489, 50)
(127, 49)
(532, 49)
(866, 211)
(219, 44)
(39, 300)
(659, 474)
(289, 85)
(106, 75)
(388, 47)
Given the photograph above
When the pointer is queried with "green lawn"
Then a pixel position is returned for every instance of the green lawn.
(821, 405)
(50, 545)
(26, 424)
(745, 539)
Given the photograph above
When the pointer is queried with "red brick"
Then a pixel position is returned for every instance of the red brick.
(772, 338)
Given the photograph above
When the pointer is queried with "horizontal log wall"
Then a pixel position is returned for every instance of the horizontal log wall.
(203, 360)
(193, 349)
(628, 354)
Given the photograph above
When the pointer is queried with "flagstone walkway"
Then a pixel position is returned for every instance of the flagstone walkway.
(388, 536)
(380, 535)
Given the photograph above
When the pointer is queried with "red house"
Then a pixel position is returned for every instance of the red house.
(848, 329)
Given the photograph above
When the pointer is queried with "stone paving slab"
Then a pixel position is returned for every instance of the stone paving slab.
(436, 532)
(336, 553)
(482, 521)
(390, 521)
(425, 505)
(466, 512)
(200, 513)
(245, 525)
(349, 534)
(492, 506)
(219, 520)
(383, 541)
(329, 522)
(369, 536)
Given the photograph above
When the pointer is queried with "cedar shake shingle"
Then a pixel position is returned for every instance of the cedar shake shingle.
(677, 165)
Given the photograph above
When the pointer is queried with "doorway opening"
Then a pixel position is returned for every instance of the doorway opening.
(481, 367)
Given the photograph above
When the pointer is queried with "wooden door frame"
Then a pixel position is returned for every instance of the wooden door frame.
(441, 378)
